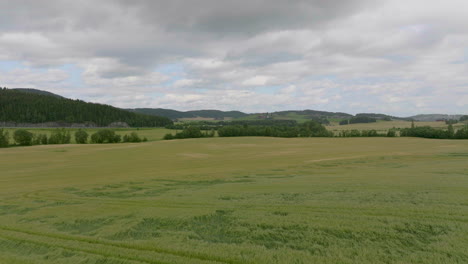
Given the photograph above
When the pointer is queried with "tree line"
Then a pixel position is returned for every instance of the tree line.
(358, 120)
(315, 129)
(207, 125)
(190, 132)
(307, 129)
(25, 107)
(23, 137)
(430, 132)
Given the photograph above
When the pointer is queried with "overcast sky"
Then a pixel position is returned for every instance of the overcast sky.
(387, 56)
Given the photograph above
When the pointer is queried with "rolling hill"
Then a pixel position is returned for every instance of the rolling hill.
(36, 91)
(174, 114)
(434, 117)
(20, 106)
(29, 105)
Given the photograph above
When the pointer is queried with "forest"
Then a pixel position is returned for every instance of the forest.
(25, 107)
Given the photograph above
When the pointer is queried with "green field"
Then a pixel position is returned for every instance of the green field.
(236, 200)
(384, 126)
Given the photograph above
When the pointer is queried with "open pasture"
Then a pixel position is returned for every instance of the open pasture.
(236, 200)
(383, 126)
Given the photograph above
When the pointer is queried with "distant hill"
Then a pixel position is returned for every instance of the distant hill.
(314, 113)
(20, 106)
(28, 105)
(434, 117)
(36, 91)
(174, 114)
(299, 116)
(382, 116)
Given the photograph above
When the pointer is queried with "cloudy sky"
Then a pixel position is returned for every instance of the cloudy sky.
(387, 56)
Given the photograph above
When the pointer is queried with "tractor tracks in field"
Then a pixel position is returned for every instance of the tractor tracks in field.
(110, 249)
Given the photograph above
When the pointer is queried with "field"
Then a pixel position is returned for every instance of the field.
(383, 126)
(236, 200)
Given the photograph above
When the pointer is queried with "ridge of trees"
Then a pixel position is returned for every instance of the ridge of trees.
(430, 132)
(315, 129)
(358, 120)
(174, 114)
(23, 137)
(25, 107)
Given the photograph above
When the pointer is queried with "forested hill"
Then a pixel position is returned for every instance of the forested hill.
(36, 91)
(173, 114)
(26, 107)
(434, 117)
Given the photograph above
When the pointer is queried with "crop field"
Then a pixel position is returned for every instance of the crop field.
(384, 126)
(236, 200)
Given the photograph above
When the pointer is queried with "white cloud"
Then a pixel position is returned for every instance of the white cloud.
(353, 56)
(27, 78)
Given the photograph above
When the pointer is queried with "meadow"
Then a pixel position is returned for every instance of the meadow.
(236, 200)
(383, 126)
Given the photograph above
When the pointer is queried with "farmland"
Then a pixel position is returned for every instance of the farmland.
(236, 200)
(386, 125)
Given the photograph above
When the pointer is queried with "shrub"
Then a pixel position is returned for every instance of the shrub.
(4, 138)
(40, 139)
(23, 137)
(391, 133)
(81, 136)
(105, 136)
(133, 137)
(60, 136)
(462, 133)
(168, 136)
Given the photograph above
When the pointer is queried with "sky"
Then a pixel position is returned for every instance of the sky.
(388, 56)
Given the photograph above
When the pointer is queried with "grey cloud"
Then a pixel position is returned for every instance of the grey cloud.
(390, 45)
(226, 17)
(147, 32)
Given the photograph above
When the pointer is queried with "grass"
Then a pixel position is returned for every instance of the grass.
(236, 200)
(384, 126)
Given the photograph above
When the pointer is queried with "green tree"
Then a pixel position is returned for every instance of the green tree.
(40, 139)
(391, 133)
(462, 133)
(60, 136)
(4, 138)
(23, 137)
(450, 131)
(81, 136)
(133, 137)
(27, 107)
(44, 139)
(105, 136)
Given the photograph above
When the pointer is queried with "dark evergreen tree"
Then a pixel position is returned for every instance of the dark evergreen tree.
(24, 107)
